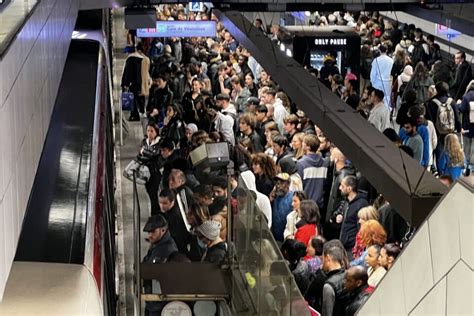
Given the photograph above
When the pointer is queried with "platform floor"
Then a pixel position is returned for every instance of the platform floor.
(124, 193)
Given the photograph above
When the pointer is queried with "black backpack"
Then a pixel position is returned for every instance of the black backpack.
(418, 54)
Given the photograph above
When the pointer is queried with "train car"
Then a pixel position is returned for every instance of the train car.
(310, 45)
(65, 259)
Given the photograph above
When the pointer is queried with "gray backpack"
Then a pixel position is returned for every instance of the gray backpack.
(444, 116)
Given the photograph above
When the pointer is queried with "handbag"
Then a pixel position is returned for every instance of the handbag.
(128, 101)
(142, 172)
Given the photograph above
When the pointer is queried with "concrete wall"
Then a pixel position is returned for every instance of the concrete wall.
(30, 73)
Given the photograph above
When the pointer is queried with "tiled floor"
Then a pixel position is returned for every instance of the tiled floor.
(12, 15)
(124, 193)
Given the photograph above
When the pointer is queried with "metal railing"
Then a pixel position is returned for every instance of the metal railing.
(136, 248)
(263, 283)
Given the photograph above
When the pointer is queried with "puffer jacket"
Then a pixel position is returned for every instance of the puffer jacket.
(150, 155)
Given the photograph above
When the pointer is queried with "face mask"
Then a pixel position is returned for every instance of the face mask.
(201, 243)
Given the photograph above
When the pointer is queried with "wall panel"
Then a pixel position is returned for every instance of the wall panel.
(30, 75)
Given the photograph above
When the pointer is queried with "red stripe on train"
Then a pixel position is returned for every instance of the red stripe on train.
(99, 200)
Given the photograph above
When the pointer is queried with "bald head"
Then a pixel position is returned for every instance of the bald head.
(355, 277)
(338, 157)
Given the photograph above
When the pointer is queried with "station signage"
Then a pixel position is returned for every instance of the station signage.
(330, 41)
(180, 29)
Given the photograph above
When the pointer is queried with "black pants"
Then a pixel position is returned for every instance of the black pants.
(152, 187)
(139, 105)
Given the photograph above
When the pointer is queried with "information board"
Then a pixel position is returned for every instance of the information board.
(180, 29)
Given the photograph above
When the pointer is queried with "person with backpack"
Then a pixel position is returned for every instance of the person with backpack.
(402, 82)
(419, 49)
(420, 82)
(442, 111)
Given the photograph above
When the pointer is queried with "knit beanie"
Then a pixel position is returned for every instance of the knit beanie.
(210, 229)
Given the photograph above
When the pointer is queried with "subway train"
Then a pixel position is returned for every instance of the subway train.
(66, 255)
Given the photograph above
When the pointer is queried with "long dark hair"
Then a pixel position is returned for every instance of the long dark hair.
(310, 212)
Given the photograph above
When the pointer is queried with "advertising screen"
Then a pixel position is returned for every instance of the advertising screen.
(180, 29)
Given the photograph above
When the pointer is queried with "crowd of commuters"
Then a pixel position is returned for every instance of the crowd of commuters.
(337, 233)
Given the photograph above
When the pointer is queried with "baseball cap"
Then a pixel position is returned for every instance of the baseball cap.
(283, 176)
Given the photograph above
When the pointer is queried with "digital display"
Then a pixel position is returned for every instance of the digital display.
(180, 29)
(316, 59)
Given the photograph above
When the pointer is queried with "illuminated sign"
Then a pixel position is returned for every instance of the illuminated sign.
(195, 6)
(330, 41)
(445, 30)
(180, 29)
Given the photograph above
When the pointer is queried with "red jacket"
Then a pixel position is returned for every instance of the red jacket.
(305, 233)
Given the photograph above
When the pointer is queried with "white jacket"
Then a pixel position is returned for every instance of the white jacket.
(263, 202)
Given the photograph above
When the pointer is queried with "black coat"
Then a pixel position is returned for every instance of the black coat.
(159, 99)
(465, 109)
(350, 224)
(178, 229)
(174, 130)
(159, 252)
(461, 79)
(356, 300)
(216, 253)
(132, 76)
(151, 156)
(335, 196)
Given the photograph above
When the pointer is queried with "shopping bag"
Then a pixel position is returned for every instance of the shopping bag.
(127, 101)
(142, 173)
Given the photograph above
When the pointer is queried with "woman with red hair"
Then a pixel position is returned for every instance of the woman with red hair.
(371, 233)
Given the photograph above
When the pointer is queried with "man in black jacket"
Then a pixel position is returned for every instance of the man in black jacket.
(160, 97)
(349, 219)
(333, 294)
(132, 81)
(355, 283)
(462, 77)
(177, 227)
(159, 237)
(162, 246)
(341, 169)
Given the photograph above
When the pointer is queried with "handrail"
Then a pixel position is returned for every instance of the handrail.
(137, 246)
(10, 37)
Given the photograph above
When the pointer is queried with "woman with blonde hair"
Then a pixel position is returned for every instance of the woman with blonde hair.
(297, 145)
(364, 214)
(451, 162)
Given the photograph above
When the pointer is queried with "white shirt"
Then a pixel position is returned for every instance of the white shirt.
(279, 114)
(225, 125)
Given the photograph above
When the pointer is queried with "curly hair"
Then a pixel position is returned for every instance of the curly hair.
(372, 233)
(453, 148)
(266, 163)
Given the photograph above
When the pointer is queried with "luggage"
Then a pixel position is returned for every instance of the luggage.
(142, 173)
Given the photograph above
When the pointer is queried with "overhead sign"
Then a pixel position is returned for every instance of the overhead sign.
(330, 41)
(180, 29)
(196, 6)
